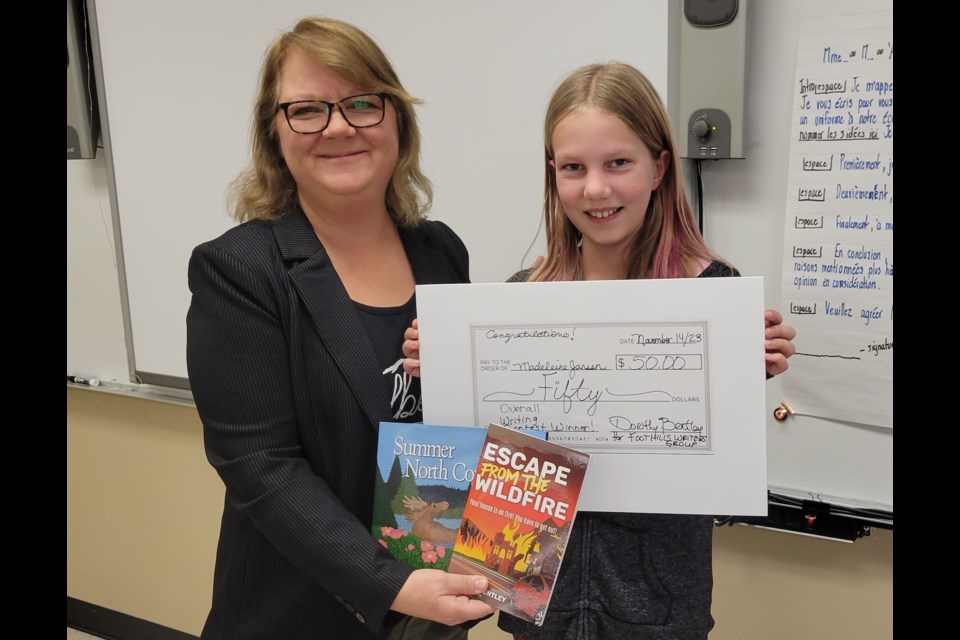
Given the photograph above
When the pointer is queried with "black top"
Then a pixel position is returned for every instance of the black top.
(715, 269)
(385, 327)
(290, 392)
(642, 576)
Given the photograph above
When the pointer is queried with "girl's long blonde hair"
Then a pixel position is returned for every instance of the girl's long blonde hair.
(668, 244)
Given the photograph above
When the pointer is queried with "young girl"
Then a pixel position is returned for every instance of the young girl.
(614, 208)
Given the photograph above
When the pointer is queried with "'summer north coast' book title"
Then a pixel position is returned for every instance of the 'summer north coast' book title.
(517, 519)
(423, 477)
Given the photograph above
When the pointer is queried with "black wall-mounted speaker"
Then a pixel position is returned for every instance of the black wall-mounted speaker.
(82, 117)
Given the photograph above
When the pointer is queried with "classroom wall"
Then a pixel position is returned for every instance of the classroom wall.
(143, 508)
(143, 513)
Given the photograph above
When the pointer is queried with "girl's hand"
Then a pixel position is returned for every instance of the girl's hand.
(778, 342)
(411, 350)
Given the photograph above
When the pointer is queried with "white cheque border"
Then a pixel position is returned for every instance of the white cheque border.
(732, 481)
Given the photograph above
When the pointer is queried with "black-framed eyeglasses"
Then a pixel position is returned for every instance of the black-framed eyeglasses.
(313, 116)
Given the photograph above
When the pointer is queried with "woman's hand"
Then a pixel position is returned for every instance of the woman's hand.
(442, 597)
(778, 342)
(411, 350)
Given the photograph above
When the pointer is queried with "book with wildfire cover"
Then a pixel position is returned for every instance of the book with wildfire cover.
(517, 519)
(423, 477)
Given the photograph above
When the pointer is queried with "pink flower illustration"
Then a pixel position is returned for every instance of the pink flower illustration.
(409, 547)
(383, 542)
(385, 531)
(441, 551)
(425, 546)
(429, 556)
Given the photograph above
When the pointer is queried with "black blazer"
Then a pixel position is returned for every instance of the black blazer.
(290, 398)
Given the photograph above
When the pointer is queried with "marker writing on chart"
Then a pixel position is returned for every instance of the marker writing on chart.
(90, 382)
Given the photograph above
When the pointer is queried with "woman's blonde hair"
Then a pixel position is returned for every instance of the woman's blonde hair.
(668, 244)
(267, 189)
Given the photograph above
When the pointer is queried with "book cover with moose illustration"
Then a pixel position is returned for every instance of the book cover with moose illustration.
(520, 506)
(423, 477)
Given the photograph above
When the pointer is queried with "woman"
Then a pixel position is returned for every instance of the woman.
(294, 342)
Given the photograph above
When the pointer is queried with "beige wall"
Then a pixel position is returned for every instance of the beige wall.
(143, 509)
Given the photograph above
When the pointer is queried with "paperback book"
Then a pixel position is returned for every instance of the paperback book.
(518, 514)
(423, 478)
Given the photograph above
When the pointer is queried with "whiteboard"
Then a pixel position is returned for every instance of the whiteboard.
(164, 169)
(807, 457)
(179, 79)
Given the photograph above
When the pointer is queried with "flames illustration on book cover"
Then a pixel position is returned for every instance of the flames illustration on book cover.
(520, 509)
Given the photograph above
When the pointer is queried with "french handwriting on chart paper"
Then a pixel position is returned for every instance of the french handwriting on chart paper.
(601, 387)
(839, 265)
(837, 275)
